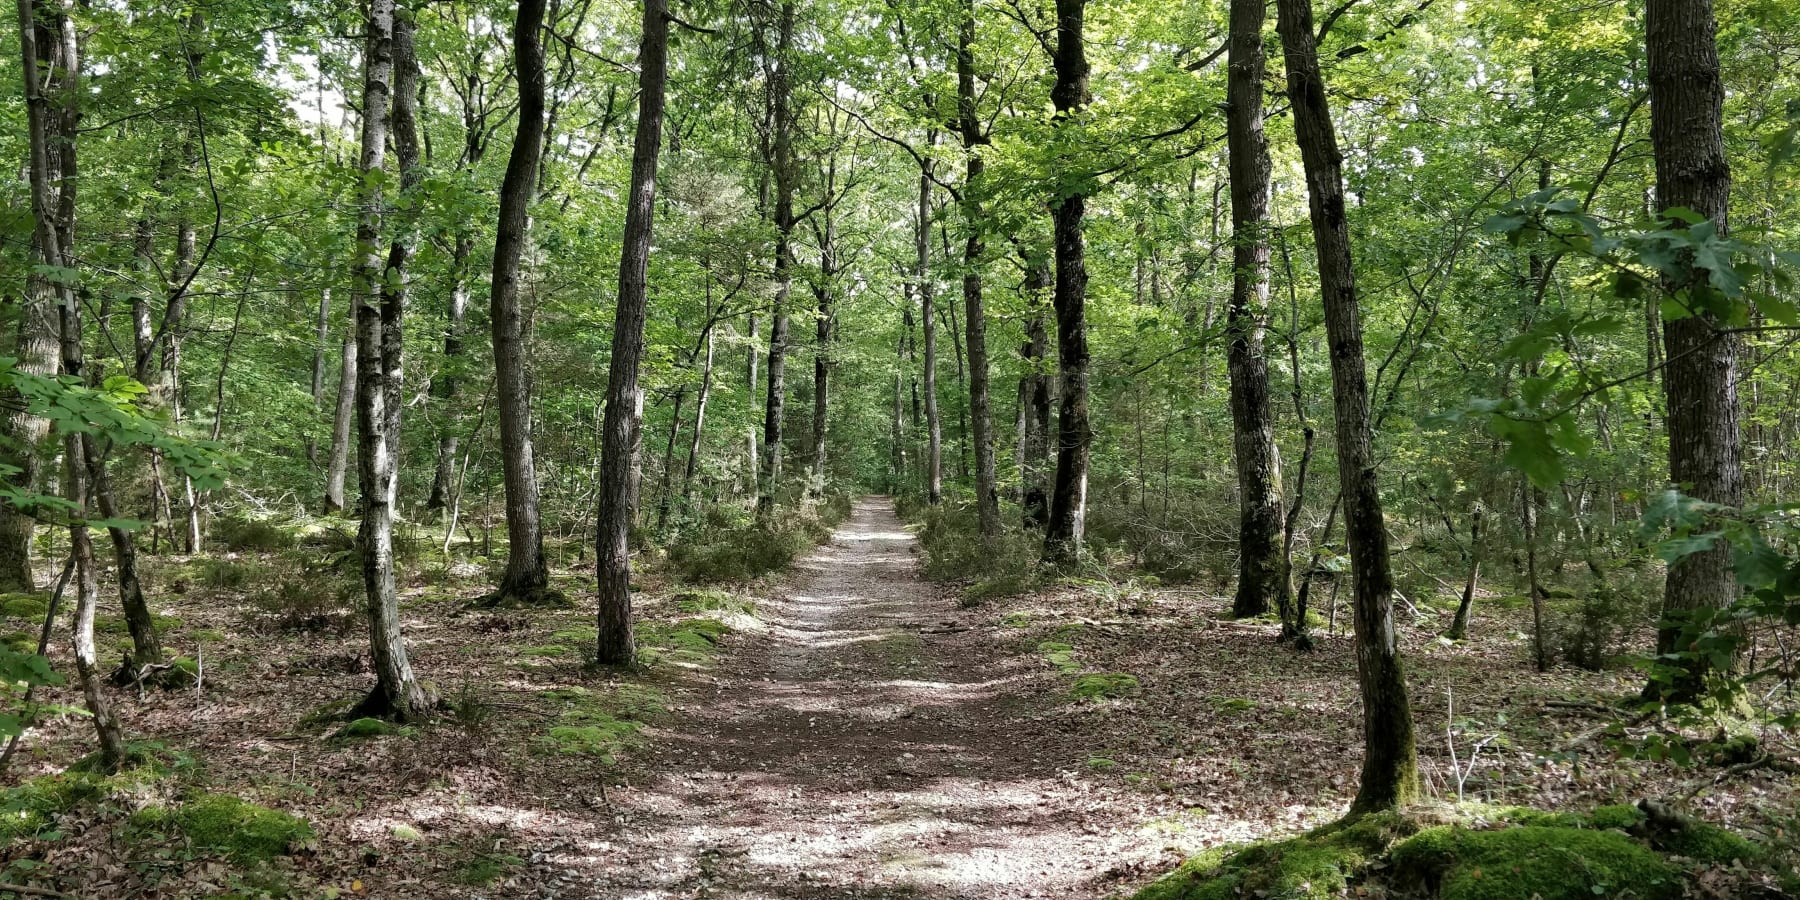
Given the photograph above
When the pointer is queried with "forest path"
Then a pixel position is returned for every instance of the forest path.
(871, 744)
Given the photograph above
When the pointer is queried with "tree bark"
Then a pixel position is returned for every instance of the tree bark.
(781, 102)
(1700, 376)
(389, 80)
(1262, 575)
(527, 576)
(52, 179)
(624, 397)
(823, 296)
(934, 430)
(448, 386)
(1068, 497)
(1034, 443)
(987, 491)
(1390, 773)
(338, 465)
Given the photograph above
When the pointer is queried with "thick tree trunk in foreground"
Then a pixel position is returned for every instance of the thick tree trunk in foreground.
(527, 576)
(22, 435)
(1068, 498)
(774, 410)
(52, 184)
(1262, 573)
(1700, 378)
(1390, 773)
(389, 77)
(624, 397)
(987, 489)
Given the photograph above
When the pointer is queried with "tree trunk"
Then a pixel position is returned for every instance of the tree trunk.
(700, 401)
(1068, 498)
(1034, 472)
(826, 232)
(52, 183)
(781, 103)
(1390, 773)
(389, 78)
(1459, 626)
(338, 465)
(1700, 377)
(624, 397)
(22, 435)
(448, 386)
(323, 333)
(146, 645)
(1262, 574)
(934, 431)
(527, 576)
(987, 491)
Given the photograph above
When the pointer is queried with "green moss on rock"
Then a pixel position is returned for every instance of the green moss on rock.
(1550, 863)
(224, 824)
(369, 728)
(1105, 686)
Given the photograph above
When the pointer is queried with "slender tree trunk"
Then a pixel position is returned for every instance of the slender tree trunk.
(1034, 498)
(1390, 773)
(146, 645)
(1700, 378)
(52, 179)
(390, 76)
(934, 431)
(987, 489)
(1262, 573)
(527, 576)
(700, 401)
(323, 333)
(781, 103)
(624, 397)
(1459, 626)
(448, 385)
(1068, 497)
(826, 233)
(342, 420)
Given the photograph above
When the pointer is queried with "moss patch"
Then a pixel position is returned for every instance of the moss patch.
(549, 650)
(601, 725)
(30, 607)
(1105, 686)
(1060, 655)
(359, 729)
(32, 807)
(221, 823)
(1319, 864)
(1533, 860)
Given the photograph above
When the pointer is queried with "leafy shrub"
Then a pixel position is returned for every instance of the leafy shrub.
(729, 552)
(224, 574)
(243, 534)
(311, 602)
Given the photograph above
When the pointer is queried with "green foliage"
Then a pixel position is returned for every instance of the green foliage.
(730, 549)
(358, 729)
(601, 724)
(221, 823)
(703, 601)
(242, 534)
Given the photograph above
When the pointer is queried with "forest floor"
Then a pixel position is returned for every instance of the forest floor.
(845, 731)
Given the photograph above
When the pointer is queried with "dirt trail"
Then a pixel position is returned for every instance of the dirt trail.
(871, 744)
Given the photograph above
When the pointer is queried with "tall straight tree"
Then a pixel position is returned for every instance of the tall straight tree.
(1034, 398)
(1390, 770)
(527, 576)
(934, 429)
(1262, 569)
(987, 491)
(378, 292)
(1700, 376)
(1068, 495)
(779, 75)
(624, 397)
(52, 128)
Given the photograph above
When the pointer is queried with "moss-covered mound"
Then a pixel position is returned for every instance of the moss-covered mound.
(1468, 853)
(1321, 863)
(221, 823)
(1456, 863)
